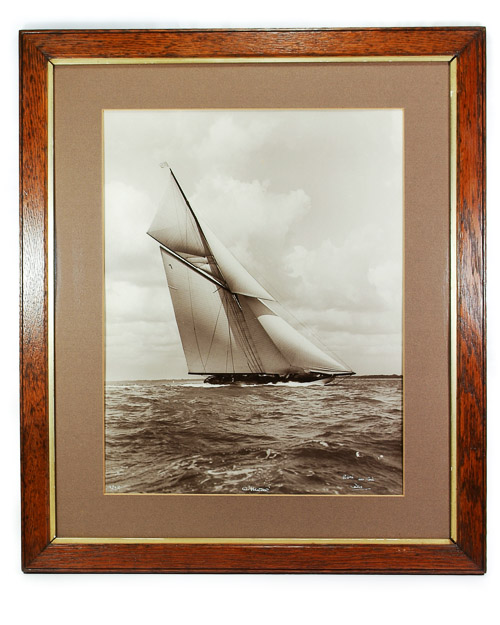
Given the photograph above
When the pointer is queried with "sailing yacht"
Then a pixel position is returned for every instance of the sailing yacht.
(230, 326)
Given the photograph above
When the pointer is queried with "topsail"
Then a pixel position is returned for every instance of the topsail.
(228, 322)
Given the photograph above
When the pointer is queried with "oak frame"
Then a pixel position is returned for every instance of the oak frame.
(465, 553)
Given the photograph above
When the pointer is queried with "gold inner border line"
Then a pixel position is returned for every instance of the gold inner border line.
(453, 299)
(253, 541)
(50, 298)
(51, 279)
(256, 59)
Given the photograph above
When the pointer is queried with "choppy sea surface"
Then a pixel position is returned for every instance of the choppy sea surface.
(179, 436)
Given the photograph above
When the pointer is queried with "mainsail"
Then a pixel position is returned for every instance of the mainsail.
(227, 320)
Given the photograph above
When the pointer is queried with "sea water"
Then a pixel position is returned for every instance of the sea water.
(179, 436)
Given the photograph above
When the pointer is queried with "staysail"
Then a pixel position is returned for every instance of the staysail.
(226, 318)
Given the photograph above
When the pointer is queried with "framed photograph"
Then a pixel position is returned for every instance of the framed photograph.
(252, 324)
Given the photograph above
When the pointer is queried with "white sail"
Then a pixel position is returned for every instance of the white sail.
(217, 337)
(298, 350)
(225, 317)
(174, 226)
(236, 276)
(209, 343)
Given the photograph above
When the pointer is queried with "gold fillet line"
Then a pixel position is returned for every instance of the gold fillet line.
(257, 59)
(51, 293)
(254, 541)
(453, 299)
(50, 269)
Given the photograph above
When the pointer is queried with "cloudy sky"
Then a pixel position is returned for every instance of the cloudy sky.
(311, 202)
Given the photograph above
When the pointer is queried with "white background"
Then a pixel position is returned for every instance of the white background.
(231, 599)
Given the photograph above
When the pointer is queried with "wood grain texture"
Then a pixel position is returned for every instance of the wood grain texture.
(467, 555)
(144, 558)
(33, 296)
(471, 332)
(258, 43)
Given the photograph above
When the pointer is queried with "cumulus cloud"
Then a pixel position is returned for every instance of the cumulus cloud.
(128, 214)
(353, 276)
(253, 221)
(232, 140)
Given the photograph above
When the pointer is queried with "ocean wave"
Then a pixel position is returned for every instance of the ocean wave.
(172, 438)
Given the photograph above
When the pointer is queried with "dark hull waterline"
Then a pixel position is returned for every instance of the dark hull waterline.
(271, 378)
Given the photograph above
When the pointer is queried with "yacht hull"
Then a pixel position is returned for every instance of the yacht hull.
(243, 379)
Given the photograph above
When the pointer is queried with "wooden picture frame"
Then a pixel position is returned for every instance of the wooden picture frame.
(464, 552)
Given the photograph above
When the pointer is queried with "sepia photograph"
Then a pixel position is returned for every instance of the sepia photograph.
(254, 301)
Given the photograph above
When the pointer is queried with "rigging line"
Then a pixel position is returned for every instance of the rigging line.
(228, 344)
(233, 320)
(182, 224)
(230, 339)
(188, 264)
(244, 346)
(201, 233)
(250, 352)
(186, 226)
(192, 317)
(171, 200)
(185, 199)
(285, 358)
(213, 334)
(306, 330)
